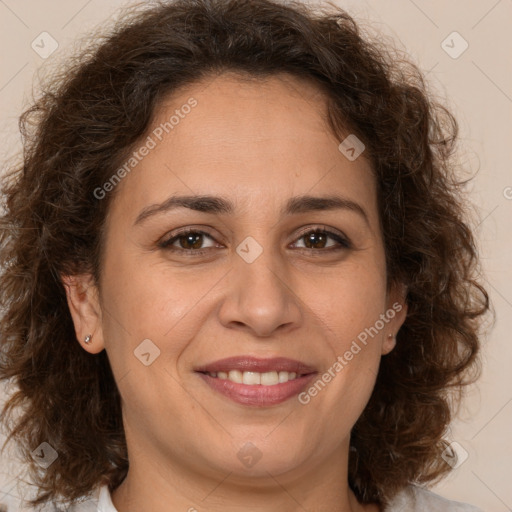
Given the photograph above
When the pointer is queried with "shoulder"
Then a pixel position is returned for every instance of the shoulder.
(97, 500)
(417, 499)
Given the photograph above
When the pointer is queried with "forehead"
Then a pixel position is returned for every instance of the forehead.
(251, 138)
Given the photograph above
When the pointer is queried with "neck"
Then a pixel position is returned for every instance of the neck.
(158, 485)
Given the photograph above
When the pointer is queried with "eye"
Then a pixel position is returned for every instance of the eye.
(317, 238)
(190, 241)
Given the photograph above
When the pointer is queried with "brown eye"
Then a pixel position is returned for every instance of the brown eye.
(191, 240)
(318, 239)
(315, 240)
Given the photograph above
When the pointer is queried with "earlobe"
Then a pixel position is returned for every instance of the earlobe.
(85, 310)
(397, 312)
(389, 344)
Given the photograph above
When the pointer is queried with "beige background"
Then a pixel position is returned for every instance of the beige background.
(478, 87)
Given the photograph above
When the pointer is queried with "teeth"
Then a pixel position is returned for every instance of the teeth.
(269, 378)
(254, 378)
(251, 378)
(235, 376)
(284, 376)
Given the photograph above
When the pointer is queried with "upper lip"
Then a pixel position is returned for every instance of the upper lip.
(254, 364)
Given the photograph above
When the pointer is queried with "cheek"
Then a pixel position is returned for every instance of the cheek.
(348, 312)
(346, 302)
(151, 301)
(150, 320)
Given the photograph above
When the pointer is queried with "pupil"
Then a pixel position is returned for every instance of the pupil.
(311, 237)
(189, 239)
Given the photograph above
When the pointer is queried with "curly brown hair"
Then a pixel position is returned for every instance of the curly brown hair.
(91, 115)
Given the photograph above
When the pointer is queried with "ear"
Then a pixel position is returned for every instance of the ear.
(396, 313)
(84, 306)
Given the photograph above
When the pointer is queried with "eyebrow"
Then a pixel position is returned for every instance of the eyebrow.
(218, 205)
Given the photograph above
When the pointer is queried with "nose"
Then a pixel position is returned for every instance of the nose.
(260, 297)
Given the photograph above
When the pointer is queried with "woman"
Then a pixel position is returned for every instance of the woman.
(237, 271)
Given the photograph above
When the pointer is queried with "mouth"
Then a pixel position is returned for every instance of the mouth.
(257, 382)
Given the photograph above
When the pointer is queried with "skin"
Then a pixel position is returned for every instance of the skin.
(257, 143)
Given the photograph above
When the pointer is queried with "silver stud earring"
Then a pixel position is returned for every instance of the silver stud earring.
(88, 338)
(391, 336)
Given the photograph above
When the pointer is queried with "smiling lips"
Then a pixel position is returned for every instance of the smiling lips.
(261, 382)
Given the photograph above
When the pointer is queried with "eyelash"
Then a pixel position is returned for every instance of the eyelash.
(342, 240)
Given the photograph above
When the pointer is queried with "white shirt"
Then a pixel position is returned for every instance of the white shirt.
(410, 499)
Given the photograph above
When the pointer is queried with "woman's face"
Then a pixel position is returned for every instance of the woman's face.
(256, 298)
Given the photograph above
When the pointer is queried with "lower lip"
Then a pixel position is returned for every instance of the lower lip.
(258, 394)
